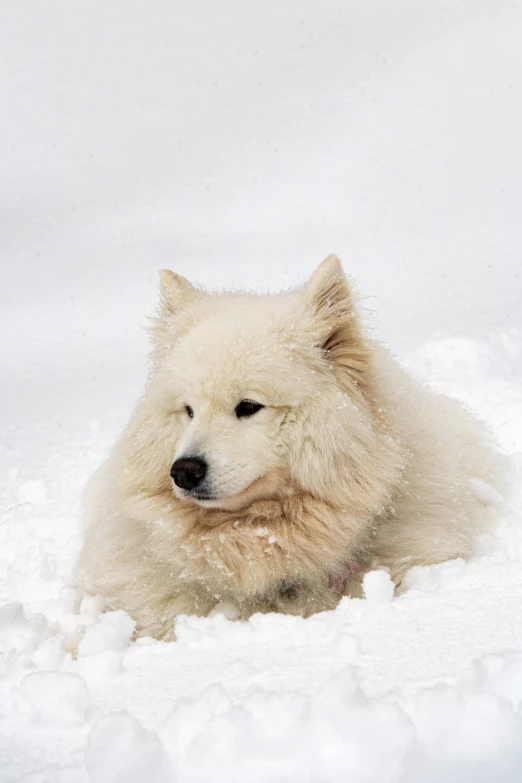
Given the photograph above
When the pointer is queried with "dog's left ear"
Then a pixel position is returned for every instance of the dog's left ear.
(329, 296)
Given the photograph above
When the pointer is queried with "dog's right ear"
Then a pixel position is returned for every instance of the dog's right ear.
(176, 292)
(176, 295)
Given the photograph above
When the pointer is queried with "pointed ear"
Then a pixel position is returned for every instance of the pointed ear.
(176, 292)
(330, 298)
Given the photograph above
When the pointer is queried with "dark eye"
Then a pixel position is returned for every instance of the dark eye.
(190, 412)
(247, 408)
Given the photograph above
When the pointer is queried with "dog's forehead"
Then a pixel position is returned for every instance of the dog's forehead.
(245, 345)
(242, 327)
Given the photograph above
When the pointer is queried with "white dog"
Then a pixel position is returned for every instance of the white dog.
(276, 455)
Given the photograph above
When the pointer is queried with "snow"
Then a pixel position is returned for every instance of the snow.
(120, 750)
(239, 145)
(59, 696)
(378, 587)
(112, 631)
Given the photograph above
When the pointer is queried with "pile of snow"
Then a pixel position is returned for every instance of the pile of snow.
(242, 144)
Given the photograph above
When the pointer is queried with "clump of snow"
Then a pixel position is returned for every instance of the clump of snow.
(120, 750)
(19, 633)
(486, 493)
(101, 645)
(60, 696)
(378, 587)
(227, 609)
(91, 607)
(112, 631)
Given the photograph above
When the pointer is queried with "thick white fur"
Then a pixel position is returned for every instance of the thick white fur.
(350, 461)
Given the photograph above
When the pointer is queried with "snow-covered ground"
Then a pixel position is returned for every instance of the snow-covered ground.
(239, 143)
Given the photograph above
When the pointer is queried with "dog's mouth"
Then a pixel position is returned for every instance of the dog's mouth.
(261, 488)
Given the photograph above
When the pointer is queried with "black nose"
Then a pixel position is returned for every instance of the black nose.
(188, 473)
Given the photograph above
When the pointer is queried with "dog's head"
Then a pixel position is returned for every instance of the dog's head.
(259, 396)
